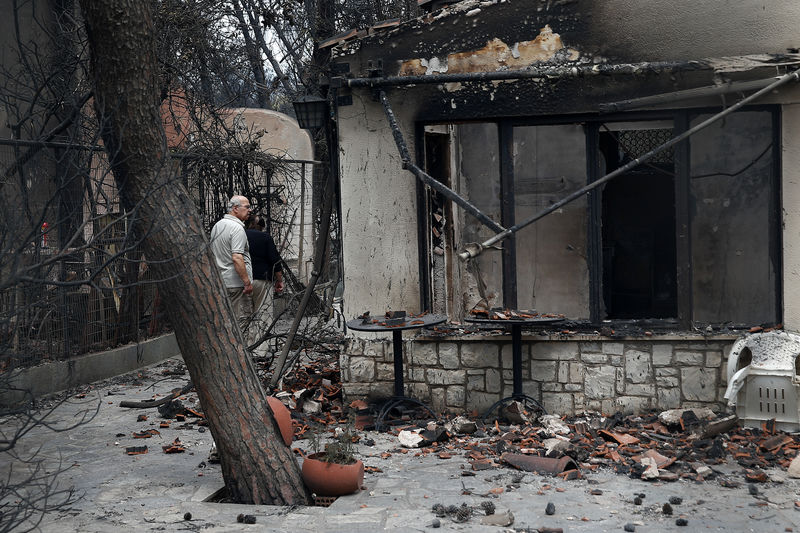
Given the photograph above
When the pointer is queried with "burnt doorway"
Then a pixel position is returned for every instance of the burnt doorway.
(638, 221)
(440, 216)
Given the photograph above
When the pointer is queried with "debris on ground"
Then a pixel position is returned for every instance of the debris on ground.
(136, 450)
(659, 446)
(461, 425)
(175, 447)
(503, 519)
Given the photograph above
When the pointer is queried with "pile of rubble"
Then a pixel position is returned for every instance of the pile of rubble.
(664, 446)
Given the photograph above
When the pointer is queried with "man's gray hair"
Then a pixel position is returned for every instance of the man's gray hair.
(234, 202)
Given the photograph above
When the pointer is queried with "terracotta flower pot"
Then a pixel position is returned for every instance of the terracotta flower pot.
(284, 418)
(331, 479)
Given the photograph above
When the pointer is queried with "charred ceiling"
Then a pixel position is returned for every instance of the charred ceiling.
(609, 31)
(471, 38)
(557, 96)
(471, 35)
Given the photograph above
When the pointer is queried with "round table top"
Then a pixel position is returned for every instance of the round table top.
(511, 320)
(379, 323)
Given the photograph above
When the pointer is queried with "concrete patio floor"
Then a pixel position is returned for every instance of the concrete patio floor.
(154, 491)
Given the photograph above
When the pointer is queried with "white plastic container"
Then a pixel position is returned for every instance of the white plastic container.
(763, 381)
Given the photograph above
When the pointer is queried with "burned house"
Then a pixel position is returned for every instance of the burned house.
(522, 111)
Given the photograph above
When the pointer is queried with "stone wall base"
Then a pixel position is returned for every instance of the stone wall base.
(457, 375)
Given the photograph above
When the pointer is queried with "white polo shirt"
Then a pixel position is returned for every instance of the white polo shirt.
(228, 237)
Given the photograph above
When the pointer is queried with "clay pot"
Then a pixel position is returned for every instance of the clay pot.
(331, 479)
(283, 417)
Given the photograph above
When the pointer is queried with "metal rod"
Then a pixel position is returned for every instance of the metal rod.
(476, 249)
(594, 230)
(300, 266)
(427, 179)
(529, 73)
(698, 92)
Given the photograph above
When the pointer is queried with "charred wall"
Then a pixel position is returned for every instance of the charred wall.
(464, 36)
(472, 37)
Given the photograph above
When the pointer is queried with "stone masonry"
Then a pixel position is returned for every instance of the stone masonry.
(568, 375)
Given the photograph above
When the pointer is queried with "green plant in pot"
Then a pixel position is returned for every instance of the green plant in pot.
(333, 470)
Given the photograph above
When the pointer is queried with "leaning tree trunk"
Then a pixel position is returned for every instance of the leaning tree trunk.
(258, 467)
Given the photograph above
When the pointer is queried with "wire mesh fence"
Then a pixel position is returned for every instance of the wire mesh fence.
(73, 279)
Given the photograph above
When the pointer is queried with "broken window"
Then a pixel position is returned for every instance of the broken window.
(638, 223)
(692, 235)
(549, 164)
(734, 219)
(477, 178)
(440, 216)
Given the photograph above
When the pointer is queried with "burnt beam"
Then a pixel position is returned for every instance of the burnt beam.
(568, 71)
(507, 206)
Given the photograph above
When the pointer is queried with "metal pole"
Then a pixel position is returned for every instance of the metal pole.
(300, 266)
(397, 352)
(516, 359)
(425, 178)
(475, 249)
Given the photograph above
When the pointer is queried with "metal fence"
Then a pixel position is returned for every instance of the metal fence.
(72, 278)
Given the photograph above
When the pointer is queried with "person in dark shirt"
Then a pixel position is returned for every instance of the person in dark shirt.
(267, 273)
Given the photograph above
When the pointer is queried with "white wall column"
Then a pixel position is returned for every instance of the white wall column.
(790, 154)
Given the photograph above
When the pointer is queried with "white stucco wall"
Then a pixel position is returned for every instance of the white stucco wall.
(379, 229)
(282, 136)
(791, 215)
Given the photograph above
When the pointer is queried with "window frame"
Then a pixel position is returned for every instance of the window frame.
(681, 119)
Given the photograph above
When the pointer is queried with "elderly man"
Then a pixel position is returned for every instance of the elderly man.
(232, 254)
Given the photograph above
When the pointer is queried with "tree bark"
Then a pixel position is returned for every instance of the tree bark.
(257, 466)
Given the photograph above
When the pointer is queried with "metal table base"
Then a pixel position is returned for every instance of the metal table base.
(516, 362)
(399, 398)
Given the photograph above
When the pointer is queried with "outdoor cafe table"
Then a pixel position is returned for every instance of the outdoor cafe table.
(515, 323)
(381, 324)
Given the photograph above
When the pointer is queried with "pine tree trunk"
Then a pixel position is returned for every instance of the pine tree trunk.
(257, 466)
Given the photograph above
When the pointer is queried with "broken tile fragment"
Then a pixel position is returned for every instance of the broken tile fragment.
(661, 461)
(621, 438)
(136, 450)
(175, 447)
